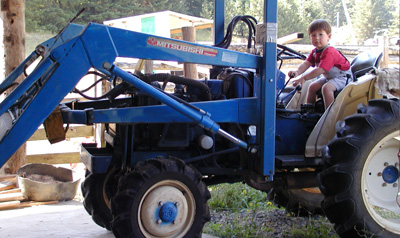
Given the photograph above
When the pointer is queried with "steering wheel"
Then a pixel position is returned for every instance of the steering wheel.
(284, 52)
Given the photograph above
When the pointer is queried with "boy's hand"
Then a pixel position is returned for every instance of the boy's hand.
(298, 81)
(292, 74)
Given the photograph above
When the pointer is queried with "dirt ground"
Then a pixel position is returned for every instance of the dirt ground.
(62, 220)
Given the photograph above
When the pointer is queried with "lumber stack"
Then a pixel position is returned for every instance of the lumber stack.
(11, 196)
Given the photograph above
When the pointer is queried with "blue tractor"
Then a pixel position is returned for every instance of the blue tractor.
(162, 148)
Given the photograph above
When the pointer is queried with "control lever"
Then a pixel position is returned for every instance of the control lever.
(290, 77)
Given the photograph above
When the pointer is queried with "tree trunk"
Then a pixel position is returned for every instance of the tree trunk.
(13, 16)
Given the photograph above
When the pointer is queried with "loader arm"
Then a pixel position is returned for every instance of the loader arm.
(67, 57)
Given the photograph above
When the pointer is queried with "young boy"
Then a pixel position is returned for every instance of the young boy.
(328, 62)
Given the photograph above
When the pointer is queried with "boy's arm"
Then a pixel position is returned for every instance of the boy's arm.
(312, 74)
(301, 69)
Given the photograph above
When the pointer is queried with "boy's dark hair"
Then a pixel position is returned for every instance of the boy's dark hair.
(319, 24)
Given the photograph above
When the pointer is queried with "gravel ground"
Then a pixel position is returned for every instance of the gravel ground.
(274, 223)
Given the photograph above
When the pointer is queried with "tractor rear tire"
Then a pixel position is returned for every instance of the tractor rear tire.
(160, 198)
(361, 179)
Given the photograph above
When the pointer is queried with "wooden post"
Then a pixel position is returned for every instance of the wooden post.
(189, 70)
(13, 16)
(383, 43)
(148, 67)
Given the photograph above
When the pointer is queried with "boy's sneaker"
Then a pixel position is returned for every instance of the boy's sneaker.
(308, 107)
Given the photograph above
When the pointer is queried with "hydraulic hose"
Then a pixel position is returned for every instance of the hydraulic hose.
(204, 89)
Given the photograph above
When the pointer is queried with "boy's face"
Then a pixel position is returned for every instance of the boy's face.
(319, 38)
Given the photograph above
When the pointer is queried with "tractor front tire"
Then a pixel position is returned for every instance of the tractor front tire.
(95, 201)
(160, 198)
(361, 179)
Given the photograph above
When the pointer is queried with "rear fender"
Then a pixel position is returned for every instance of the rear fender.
(344, 105)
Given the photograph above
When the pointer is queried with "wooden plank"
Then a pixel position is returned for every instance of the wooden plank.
(198, 27)
(11, 197)
(290, 38)
(14, 190)
(19, 204)
(75, 131)
(56, 158)
(6, 185)
(40, 134)
(33, 203)
(8, 177)
(9, 205)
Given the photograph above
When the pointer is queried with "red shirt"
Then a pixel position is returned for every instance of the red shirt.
(327, 58)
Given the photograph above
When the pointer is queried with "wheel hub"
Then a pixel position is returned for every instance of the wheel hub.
(390, 174)
(168, 212)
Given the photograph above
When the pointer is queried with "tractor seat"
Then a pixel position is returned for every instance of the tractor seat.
(364, 63)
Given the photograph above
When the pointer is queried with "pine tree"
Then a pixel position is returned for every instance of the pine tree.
(371, 17)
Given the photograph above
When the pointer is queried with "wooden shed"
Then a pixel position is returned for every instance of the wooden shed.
(163, 23)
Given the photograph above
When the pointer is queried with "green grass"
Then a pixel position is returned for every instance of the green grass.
(237, 197)
(241, 202)
(237, 229)
(238, 210)
(316, 228)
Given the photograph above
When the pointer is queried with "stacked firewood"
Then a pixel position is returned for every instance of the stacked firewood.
(11, 196)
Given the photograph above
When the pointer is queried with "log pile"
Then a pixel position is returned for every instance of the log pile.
(11, 196)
